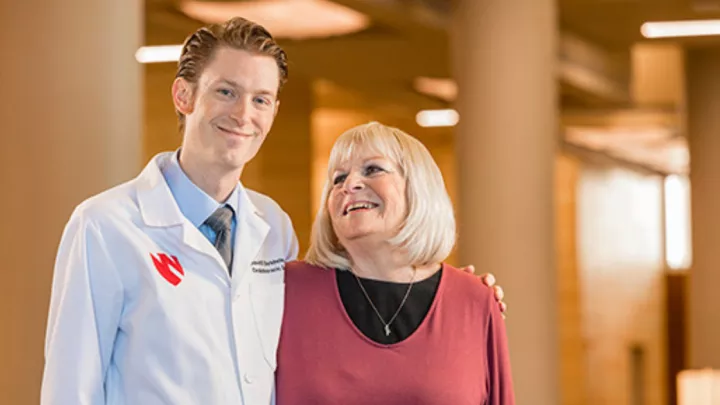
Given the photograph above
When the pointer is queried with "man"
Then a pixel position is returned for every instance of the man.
(168, 289)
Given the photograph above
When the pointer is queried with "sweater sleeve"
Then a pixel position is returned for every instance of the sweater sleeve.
(500, 387)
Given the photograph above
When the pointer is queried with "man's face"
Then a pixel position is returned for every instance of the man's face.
(231, 109)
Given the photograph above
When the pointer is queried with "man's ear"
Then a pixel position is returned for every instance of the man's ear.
(277, 107)
(182, 95)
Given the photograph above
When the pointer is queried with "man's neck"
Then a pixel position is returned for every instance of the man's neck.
(213, 180)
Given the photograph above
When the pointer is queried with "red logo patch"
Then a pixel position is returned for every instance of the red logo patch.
(163, 263)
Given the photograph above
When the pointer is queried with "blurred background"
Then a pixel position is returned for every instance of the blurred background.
(579, 140)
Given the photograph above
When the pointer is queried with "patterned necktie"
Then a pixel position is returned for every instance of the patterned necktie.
(221, 223)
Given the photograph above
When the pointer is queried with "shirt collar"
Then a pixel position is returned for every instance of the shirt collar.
(195, 204)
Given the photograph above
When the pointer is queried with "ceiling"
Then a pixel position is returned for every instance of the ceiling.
(375, 69)
(615, 24)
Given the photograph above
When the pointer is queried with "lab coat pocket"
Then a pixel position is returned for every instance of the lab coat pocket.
(267, 300)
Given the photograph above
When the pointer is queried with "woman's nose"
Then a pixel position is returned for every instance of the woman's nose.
(354, 182)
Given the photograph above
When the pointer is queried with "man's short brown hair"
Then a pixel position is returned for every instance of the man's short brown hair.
(236, 33)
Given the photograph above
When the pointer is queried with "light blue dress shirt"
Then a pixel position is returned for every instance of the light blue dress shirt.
(194, 203)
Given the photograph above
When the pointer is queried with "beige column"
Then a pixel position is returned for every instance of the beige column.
(703, 119)
(70, 114)
(504, 55)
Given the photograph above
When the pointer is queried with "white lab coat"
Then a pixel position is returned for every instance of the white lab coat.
(121, 333)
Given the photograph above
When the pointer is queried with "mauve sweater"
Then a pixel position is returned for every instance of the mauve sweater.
(458, 355)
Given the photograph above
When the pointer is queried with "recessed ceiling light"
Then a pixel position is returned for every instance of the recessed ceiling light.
(437, 118)
(294, 19)
(439, 87)
(155, 54)
(690, 28)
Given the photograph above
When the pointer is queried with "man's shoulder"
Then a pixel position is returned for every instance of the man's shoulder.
(281, 230)
(266, 205)
(120, 199)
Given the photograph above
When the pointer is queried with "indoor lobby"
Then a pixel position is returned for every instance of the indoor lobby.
(576, 139)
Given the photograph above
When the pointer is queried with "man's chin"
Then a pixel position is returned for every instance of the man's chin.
(231, 161)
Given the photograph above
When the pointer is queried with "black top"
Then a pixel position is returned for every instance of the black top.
(387, 297)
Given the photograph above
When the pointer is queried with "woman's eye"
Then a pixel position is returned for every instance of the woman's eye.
(262, 101)
(226, 92)
(372, 169)
(339, 179)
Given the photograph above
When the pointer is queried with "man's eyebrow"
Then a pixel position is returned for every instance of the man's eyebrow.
(238, 86)
(231, 83)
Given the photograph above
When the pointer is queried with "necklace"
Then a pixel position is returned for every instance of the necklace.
(387, 324)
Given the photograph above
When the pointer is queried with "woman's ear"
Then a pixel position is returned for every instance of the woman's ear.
(182, 95)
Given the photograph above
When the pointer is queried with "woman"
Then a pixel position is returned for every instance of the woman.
(373, 315)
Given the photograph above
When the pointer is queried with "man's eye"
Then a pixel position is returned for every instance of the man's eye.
(226, 92)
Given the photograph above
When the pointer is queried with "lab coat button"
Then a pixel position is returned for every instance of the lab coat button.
(248, 378)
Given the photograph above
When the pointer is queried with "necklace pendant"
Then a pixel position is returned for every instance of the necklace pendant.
(387, 330)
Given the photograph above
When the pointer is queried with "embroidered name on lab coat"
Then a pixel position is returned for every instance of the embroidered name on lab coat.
(267, 266)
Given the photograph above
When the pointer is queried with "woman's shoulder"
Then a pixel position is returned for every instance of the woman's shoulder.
(301, 265)
(302, 270)
(468, 286)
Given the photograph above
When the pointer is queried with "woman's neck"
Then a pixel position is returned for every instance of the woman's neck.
(385, 263)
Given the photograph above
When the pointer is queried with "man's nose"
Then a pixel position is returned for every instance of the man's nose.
(242, 109)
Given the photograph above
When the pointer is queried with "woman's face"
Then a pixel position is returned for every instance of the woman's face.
(367, 198)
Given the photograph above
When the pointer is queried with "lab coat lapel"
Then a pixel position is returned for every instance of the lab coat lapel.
(157, 205)
(250, 234)
(159, 209)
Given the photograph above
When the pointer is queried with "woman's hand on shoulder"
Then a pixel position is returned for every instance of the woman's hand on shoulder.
(489, 280)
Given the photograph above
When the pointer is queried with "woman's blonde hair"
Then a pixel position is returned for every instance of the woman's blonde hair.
(427, 235)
